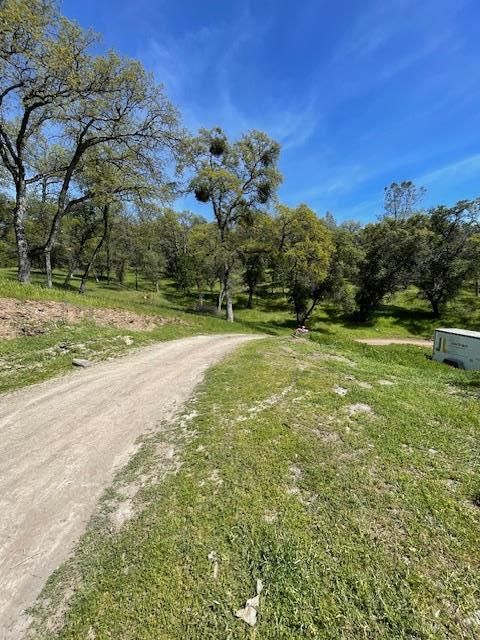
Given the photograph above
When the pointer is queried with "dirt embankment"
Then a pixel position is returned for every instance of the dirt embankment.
(34, 317)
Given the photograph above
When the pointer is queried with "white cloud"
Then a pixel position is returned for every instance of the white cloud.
(455, 171)
(365, 211)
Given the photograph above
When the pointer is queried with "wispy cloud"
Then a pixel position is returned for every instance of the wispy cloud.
(370, 29)
(339, 180)
(350, 120)
(203, 71)
(459, 170)
(364, 211)
(179, 62)
(294, 127)
(393, 36)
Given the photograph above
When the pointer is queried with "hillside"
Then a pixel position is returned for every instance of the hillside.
(341, 476)
(54, 326)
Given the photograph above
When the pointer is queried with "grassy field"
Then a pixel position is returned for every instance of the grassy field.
(30, 359)
(34, 358)
(344, 477)
(403, 315)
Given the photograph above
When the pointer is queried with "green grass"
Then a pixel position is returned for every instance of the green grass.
(404, 315)
(359, 525)
(167, 303)
(31, 359)
(35, 358)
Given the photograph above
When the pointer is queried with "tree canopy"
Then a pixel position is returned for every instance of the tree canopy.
(93, 156)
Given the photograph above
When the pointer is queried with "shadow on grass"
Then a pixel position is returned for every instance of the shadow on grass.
(417, 322)
(271, 313)
(469, 387)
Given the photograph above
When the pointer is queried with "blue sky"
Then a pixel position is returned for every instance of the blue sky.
(358, 92)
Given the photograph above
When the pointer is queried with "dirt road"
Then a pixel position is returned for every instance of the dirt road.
(381, 342)
(60, 443)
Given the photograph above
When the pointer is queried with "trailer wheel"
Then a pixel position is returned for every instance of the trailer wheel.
(451, 363)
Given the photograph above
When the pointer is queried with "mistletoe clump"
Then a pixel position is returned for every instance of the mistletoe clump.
(202, 193)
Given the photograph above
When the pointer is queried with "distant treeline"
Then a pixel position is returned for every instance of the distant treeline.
(93, 154)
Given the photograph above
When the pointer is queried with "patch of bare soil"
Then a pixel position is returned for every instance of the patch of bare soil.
(33, 317)
(326, 436)
(382, 342)
(359, 407)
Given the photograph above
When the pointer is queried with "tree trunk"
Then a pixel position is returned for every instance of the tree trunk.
(121, 271)
(48, 267)
(70, 273)
(107, 248)
(250, 299)
(229, 304)
(221, 295)
(227, 292)
(47, 250)
(476, 287)
(83, 284)
(23, 256)
(436, 308)
(76, 259)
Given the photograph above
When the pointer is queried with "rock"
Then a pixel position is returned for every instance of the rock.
(341, 391)
(79, 362)
(33, 331)
(213, 557)
(128, 340)
(249, 613)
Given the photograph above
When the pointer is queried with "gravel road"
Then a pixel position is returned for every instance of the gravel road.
(381, 342)
(61, 442)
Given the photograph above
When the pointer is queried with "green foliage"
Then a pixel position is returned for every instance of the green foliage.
(256, 241)
(306, 248)
(242, 176)
(204, 258)
(388, 257)
(434, 251)
(122, 150)
(237, 178)
(342, 271)
(7, 252)
(447, 252)
(117, 126)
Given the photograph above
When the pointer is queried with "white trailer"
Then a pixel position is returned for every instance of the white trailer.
(459, 348)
